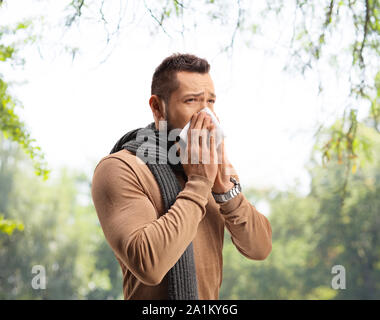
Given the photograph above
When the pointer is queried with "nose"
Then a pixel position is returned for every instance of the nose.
(203, 103)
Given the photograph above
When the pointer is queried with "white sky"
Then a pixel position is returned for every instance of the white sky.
(78, 110)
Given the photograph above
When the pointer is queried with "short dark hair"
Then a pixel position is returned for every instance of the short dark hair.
(165, 80)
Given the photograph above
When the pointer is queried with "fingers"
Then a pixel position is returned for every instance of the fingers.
(204, 140)
(203, 152)
(198, 149)
(196, 125)
(213, 152)
(221, 154)
(199, 118)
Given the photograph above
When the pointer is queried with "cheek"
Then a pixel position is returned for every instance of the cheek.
(188, 115)
(180, 116)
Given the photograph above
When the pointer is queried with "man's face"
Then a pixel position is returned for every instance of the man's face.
(195, 92)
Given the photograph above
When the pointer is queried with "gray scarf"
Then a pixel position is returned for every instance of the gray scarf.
(182, 281)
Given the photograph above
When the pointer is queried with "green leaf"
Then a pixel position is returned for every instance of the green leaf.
(8, 226)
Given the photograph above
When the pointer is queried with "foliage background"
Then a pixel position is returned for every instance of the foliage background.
(50, 220)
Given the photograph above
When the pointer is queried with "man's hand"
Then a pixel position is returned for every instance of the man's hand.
(201, 156)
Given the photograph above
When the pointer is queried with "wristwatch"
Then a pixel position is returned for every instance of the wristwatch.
(232, 193)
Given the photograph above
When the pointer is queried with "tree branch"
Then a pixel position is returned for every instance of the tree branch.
(367, 12)
(156, 19)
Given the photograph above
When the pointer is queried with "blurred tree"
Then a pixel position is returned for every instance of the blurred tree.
(7, 170)
(62, 234)
(312, 234)
(350, 221)
(10, 124)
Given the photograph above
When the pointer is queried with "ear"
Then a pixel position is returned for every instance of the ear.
(157, 105)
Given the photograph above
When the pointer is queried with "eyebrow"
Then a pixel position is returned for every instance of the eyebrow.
(199, 94)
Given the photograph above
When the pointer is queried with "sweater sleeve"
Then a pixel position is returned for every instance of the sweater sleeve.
(250, 230)
(149, 246)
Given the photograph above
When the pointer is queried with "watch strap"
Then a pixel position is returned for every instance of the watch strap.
(230, 194)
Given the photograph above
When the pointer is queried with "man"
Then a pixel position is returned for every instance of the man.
(165, 222)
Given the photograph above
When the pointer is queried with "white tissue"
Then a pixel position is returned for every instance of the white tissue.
(219, 134)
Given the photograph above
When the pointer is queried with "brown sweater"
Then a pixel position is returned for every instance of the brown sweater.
(147, 242)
